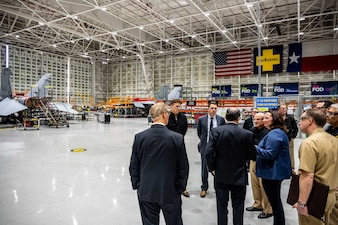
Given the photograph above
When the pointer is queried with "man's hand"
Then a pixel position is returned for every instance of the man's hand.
(301, 210)
(213, 173)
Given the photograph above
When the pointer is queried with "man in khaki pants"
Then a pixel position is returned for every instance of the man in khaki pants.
(261, 201)
(318, 160)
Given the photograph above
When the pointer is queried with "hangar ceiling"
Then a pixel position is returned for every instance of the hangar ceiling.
(118, 29)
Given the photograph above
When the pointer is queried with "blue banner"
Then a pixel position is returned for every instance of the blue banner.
(267, 102)
(249, 90)
(324, 88)
(271, 59)
(220, 91)
(294, 58)
(285, 88)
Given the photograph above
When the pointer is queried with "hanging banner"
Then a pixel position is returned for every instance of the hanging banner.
(285, 88)
(324, 88)
(220, 91)
(249, 90)
(267, 103)
(271, 59)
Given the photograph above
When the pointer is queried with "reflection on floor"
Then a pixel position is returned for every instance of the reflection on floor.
(43, 182)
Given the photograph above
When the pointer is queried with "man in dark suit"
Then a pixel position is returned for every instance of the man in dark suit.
(292, 131)
(203, 127)
(248, 123)
(227, 151)
(178, 122)
(159, 169)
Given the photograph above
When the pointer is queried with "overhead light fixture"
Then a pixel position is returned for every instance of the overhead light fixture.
(207, 46)
(141, 27)
(72, 41)
(142, 44)
(41, 23)
(234, 42)
(103, 8)
(103, 50)
(75, 17)
(336, 28)
(87, 38)
(206, 14)
(160, 52)
(301, 18)
(123, 57)
(104, 62)
(54, 46)
(172, 21)
(265, 38)
(114, 33)
(166, 40)
(249, 5)
(225, 30)
(193, 36)
(182, 49)
(301, 33)
(17, 36)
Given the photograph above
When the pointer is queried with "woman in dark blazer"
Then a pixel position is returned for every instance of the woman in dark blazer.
(273, 162)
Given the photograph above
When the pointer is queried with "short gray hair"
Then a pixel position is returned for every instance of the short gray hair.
(157, 109)
(334, 106)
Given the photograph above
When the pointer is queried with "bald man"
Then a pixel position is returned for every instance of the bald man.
(261, 202)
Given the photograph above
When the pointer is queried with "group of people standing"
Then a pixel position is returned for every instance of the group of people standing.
(159, 166)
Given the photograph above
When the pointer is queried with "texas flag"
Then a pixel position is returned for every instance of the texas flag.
(319, 56)
(294, 58)
(312, 56)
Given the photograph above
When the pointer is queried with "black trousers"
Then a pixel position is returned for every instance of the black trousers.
(237, 200)
(204, 173)
(272, 189)
(150, 212)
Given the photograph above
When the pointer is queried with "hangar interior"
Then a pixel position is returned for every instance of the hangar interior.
(99, 49)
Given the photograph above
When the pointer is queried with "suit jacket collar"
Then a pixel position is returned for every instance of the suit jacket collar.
(158, 125)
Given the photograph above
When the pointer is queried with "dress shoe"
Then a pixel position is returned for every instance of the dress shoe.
(264, 215)
(203, 193)
(253, 209)
(186, 194)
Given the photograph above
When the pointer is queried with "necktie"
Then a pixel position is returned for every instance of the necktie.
(211, 122)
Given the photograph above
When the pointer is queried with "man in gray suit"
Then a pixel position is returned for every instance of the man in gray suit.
(227, 151)
(205, 123)
(159, 169)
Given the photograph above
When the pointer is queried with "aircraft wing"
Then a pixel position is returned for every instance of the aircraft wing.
(64, 107)
(9, 106)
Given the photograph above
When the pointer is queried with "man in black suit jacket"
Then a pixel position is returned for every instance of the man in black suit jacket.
(178, 122)
(227, 151)
(203, 128)
(159, 169)
(248, 123)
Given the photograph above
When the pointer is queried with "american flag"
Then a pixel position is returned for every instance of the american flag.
(232, 63)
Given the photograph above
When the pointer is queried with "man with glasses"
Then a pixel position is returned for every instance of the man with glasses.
(178, 122)
(332, 119)
(204, 125)
(323, 106)
(318, 160)
(261, 202)
(159, 169)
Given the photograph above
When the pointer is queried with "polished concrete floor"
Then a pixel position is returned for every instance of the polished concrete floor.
(43, 182)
